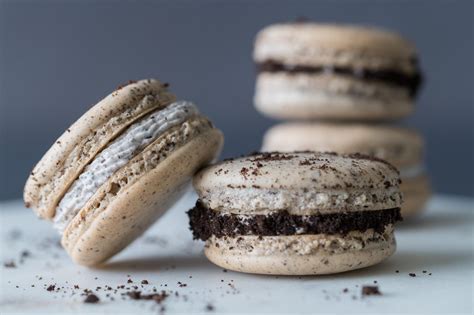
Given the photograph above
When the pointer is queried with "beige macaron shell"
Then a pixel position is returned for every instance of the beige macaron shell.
(342, 45)
(400, 146)
(96, 234)
(328, 96)
(286, 261)
(76, 147)
(416, 193)
(301, 183)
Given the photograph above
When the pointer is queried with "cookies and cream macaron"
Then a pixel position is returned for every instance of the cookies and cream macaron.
(400, 146)
(119, 167)
(327, 71)
(298, 213)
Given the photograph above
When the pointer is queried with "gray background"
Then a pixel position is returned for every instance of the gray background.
(57, 58)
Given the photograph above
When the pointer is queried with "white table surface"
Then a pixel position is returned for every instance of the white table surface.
(439, 242)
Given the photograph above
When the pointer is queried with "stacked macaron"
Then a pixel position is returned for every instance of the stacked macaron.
(345, 82)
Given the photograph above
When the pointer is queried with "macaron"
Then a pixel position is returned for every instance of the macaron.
(342, 72)
(299, 213)
(402, 147)
(119, 167)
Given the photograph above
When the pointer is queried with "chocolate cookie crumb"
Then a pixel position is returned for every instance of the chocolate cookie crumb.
(345, 290)
(370, 290)
(51, 287)
(157, 297)
(144, 282)
(209, 307)
(91, 298)
(9, 264)
(411, 274)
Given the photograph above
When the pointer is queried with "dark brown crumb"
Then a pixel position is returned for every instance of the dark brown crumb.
(121, 86)
(51, 287)
(129, 281)
(397, 271)
(345, 290)
(144, 281)
(209, 307)
(424, 271)
(411, 274)
(181, 285)
(91, 298)
(370, 290)
(9, 264)
(157, 297)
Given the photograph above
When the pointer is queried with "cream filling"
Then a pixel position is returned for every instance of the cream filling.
(117, 154)
(411, 171)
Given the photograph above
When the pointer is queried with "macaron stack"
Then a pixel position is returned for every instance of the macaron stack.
(340, 86)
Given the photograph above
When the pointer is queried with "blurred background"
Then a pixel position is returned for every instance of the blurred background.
(57, 58)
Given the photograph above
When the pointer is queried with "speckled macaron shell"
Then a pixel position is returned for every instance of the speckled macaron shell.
(400, 146)
(136, 195)
(329, 96)
(317, 44)
(297, 255)
(302, 183)
(80, 143)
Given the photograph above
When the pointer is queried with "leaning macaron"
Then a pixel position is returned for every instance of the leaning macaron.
(402, 147)
(299, 213)
(119, 167)
(324, 71)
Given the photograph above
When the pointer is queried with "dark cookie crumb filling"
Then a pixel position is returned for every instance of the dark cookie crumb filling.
(206, 222)
(394, 77)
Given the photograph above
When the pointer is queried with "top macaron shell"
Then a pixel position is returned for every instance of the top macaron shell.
(301, 183)
(342, 45)
(80, 143)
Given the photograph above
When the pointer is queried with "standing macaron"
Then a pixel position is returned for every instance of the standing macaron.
(299, 213)
(324, 71)
(400, 146)
(119, 167)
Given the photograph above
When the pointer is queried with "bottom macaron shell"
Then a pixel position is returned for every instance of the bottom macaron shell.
(416, 193)
(95, 238)
(285, 261)
(287, 98)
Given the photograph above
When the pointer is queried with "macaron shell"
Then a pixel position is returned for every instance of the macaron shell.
(416, 193)
(400, 146)
(287, 262)
(299, 182)
(80, 143)
(284, 97)
(95, 235)
(343, 45)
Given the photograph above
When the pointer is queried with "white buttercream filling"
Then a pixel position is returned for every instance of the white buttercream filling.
(411, 171)
(116, 155)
